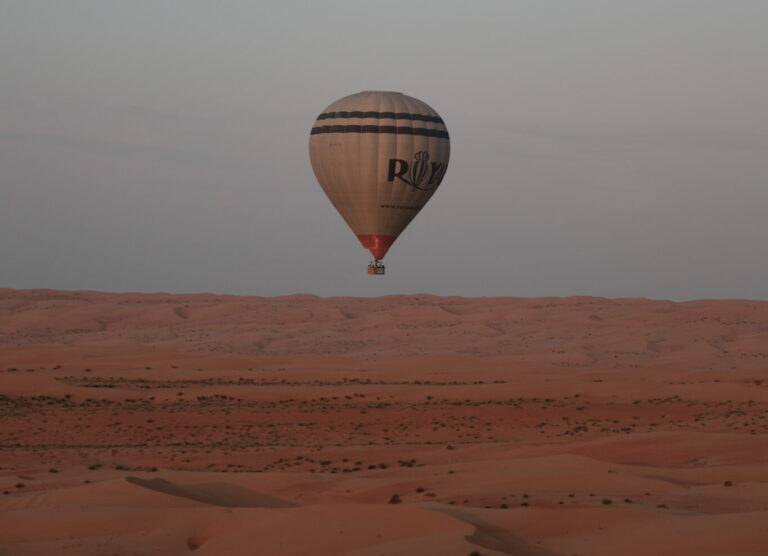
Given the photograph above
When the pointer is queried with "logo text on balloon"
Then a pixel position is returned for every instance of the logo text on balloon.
(416, 172)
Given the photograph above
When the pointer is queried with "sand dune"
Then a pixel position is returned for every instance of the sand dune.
(568, 332)
(218, 494)
(170, 424)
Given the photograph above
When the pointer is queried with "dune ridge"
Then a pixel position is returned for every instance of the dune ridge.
(567, 332)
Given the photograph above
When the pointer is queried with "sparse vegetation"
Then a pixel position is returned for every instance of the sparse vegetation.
(345, 431)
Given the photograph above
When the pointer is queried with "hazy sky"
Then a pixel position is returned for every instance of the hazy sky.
(611, 147)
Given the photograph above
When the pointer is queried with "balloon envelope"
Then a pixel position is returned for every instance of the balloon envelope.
(379, 156)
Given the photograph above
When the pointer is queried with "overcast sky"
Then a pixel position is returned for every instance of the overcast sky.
(599, 147)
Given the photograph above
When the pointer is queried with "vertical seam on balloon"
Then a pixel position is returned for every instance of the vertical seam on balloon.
(389, 214)
(345, 139)
(407, 192)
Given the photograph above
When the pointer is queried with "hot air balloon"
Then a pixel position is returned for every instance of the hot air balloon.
(379, 156)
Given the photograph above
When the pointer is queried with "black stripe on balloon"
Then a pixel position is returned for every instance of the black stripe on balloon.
(423, 132)
(382, 116)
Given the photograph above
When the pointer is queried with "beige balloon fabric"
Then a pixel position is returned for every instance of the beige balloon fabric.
(379, 156)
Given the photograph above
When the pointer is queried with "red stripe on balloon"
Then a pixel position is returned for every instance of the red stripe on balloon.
(377, 244)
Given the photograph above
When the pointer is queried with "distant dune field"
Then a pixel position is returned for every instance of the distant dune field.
(403, 425)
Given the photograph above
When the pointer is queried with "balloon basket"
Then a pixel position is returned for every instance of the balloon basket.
(376, 267)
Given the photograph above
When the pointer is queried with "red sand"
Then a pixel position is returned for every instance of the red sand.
(166, 424)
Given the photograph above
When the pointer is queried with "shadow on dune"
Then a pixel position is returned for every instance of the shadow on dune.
(495, 538)
(217, 494)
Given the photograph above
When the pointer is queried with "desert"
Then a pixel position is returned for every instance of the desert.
(162, 424)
